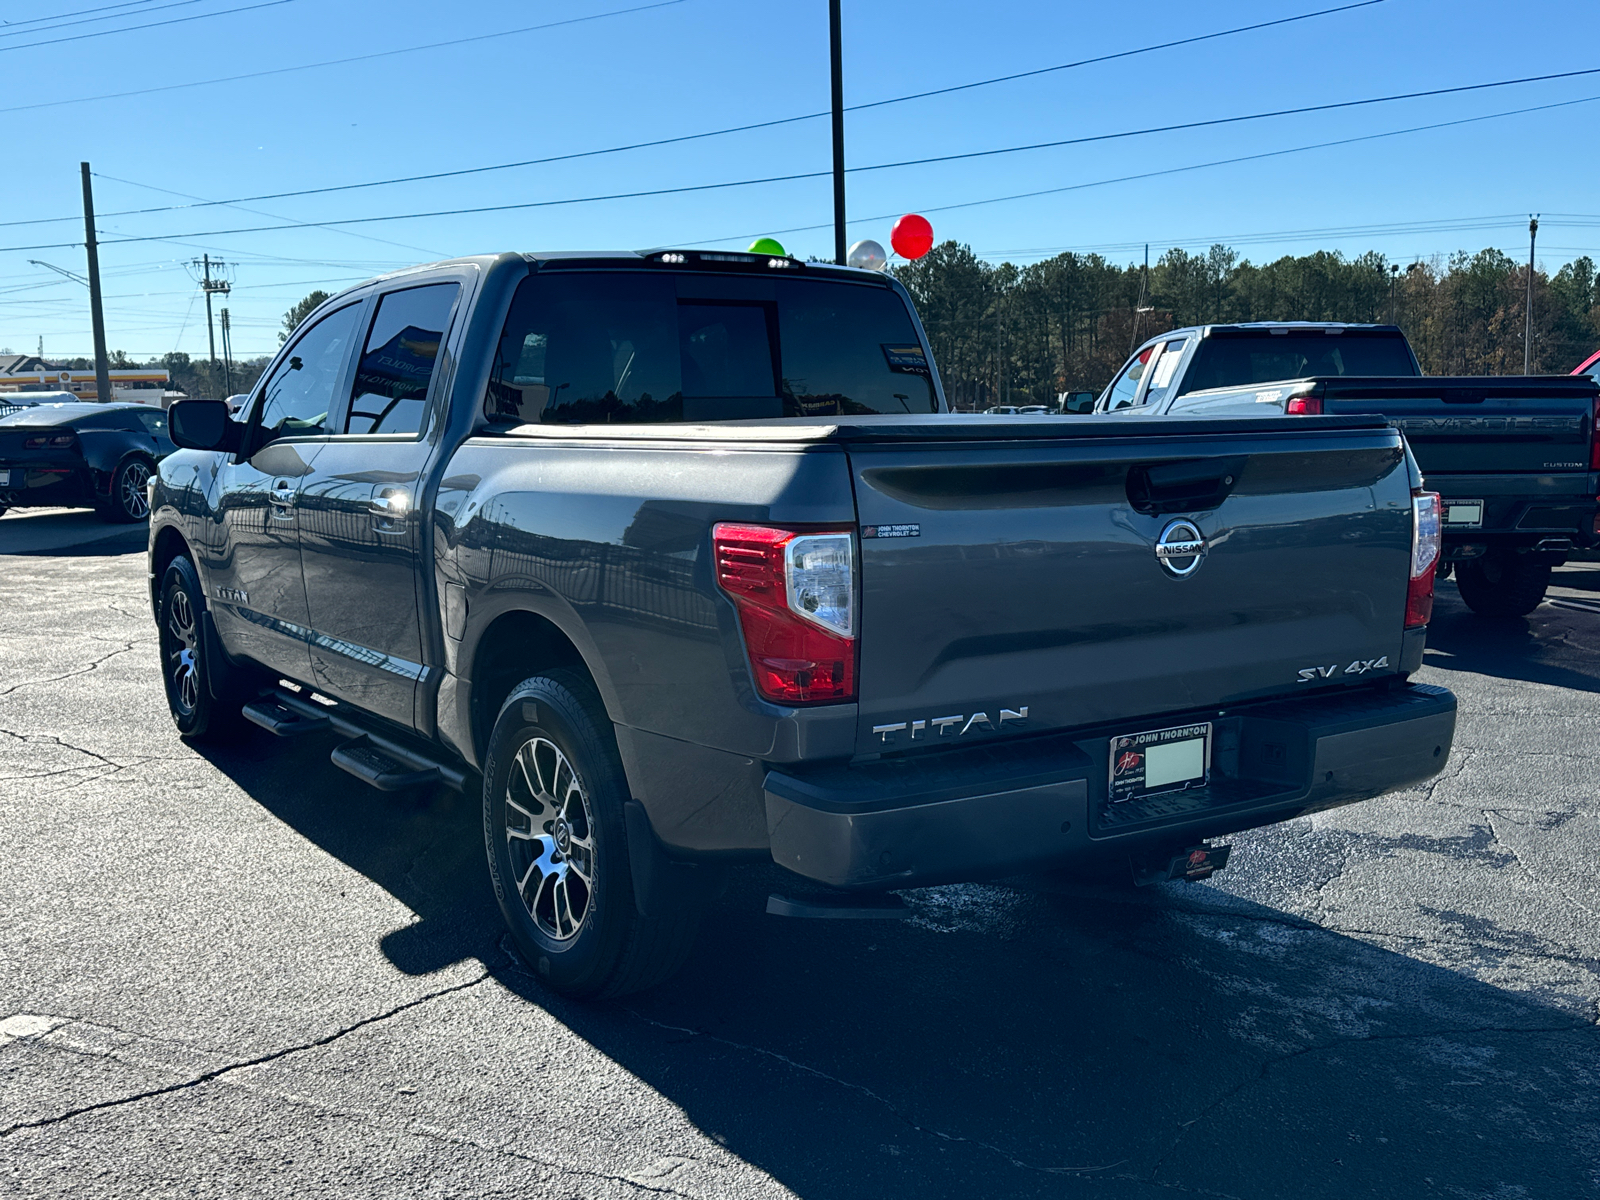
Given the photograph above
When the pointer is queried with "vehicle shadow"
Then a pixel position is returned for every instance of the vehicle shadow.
(1538, 648)
(1034, 1037)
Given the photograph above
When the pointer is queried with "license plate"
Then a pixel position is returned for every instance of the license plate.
(1464, 514)
(1159, 760)
(13, 479)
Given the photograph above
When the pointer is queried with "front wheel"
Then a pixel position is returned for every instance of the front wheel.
(556, 839)
(130, 498)
(195, 711)
(1502, 585)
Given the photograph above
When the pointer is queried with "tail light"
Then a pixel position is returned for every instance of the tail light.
(56, 442)
(795, 592)
(1426, 545)
(1594, 438)
(1304, 406)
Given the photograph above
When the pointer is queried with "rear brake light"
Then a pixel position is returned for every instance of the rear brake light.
(1305, 406)
(1426, 546)
(1594, 438)
(795, 592)
(40, 442)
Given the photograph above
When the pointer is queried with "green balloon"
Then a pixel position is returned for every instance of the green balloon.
(768, 246)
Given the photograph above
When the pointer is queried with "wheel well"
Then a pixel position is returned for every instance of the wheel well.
(515, 646)
(169, 544)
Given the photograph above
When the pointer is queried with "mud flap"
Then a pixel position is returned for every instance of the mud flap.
(661, 884)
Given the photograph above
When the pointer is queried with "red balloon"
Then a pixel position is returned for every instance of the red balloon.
(912, 236)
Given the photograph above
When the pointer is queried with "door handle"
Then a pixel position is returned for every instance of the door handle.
(390, 508)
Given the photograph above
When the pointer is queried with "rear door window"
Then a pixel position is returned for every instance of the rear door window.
(626, 346)
(390, 391)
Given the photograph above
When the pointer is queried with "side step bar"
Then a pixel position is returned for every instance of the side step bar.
(384, 762)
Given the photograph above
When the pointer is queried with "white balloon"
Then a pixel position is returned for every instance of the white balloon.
(868, 255)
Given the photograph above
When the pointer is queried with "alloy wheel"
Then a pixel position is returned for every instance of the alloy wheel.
(550, 838)
(182, 651)
(134, 496)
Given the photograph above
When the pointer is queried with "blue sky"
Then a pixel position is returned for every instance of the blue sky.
(694, 65)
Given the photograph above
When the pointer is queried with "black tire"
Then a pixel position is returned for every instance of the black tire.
(553, 739)
(1502, 585)
(198, 715)
(128, 502)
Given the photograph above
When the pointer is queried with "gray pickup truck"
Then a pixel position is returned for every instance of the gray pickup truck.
(681, 558)
(1516, 460)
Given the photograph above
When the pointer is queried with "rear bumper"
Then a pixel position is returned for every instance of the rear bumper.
(1547, 514)
(1043, 802)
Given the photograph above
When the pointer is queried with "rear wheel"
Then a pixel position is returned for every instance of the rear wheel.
(554, 831)
(129, 500)
(198, 715)
(1502, 585)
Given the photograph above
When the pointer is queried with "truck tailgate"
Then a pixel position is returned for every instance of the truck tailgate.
(1003, 578)
(1534, 425)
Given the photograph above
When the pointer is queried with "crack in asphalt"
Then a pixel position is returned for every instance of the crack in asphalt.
(1489, 815)
(868, 1092)
(259, 1060)
(123, 649)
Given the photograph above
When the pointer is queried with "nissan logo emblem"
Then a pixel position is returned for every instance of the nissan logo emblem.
(1181, 548)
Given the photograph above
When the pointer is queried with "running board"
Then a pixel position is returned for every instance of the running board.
(384, 762)
(384, 771)
(282, 721)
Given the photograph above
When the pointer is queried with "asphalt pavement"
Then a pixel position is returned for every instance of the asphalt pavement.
(241, 973)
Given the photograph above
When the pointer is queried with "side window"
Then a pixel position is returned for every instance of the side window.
(391, 388)
(153, 420)
(296, 399)
(1127, 384)
(1161, 375)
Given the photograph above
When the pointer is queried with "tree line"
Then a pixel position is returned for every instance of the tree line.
(1004, 334)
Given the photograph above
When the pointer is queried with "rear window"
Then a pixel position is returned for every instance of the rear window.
(1235, 361)
(633, 347)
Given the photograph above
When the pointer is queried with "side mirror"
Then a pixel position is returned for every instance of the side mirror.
(1078, 402)
(203, 425)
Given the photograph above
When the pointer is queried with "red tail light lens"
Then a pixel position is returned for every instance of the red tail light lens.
(1427, 544)
(1304, 406)
(795, 592)
(39, 443)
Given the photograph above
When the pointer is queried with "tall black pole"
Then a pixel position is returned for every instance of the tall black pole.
(836, 53)
(1527, 315)
(102, 367)
(211, 333)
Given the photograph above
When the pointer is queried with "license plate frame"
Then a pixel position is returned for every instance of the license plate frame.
(1470, 514)
(13, 478)
(1129, 767)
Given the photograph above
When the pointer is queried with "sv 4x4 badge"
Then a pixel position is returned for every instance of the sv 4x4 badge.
(1360, 667)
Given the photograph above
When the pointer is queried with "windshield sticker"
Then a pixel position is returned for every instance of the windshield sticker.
(907, 358)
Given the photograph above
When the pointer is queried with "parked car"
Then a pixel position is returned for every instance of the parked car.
(11, 402)
(82, 455)
(1517, 460)
(1589, 366)
(683, 561)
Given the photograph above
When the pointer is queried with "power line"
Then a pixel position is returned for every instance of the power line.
(5, 30)
(1220, 162)
(78, 37)
(339, 62)
(78, 13)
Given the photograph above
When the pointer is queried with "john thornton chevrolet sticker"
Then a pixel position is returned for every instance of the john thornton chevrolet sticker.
(888, 531)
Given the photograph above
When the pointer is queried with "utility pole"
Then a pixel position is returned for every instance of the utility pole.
(1394, 278)
(1139, 309)
(227, 355)
(1527, 324)
(102, 367)
(218, 286)
(836, 54)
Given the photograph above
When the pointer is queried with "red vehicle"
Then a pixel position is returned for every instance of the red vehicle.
(1589, 366)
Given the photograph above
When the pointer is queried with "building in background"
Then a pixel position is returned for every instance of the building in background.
(30, 373)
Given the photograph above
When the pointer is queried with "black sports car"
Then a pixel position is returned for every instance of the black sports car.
(82, 455)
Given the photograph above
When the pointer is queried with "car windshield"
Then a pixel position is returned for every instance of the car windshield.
(634, 346)
(1238, 360)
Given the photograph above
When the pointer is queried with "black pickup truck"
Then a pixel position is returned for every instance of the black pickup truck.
(681, 558)
(1516, 460)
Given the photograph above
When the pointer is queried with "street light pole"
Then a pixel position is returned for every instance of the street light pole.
(836, 55)
(1527, 324)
